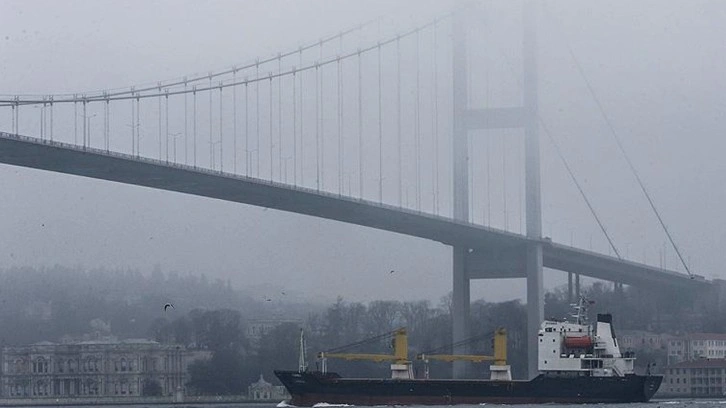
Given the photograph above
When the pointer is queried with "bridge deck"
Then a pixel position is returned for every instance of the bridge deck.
(99, 164)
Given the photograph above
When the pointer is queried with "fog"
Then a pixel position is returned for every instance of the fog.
(656, 67)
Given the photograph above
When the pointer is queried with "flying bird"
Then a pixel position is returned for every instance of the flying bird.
(392, 271)
(168, 305)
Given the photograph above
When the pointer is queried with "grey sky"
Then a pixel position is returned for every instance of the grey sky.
(657, 67)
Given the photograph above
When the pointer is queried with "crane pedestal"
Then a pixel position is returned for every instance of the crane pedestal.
(401, 371)
(501, 372)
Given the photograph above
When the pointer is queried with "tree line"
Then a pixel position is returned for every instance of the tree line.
(237, 360)
(53, 303)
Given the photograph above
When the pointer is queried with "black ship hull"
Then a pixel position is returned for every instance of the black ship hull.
(310, 388)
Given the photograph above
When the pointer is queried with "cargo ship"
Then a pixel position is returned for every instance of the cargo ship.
(577, 364)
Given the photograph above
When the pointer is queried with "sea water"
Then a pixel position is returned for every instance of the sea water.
(655, 403)
(665, 403)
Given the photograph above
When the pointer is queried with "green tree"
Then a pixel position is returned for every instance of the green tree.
(279, 349)
(223, 374)
(150, 388)
(222, 332)
(214, 329)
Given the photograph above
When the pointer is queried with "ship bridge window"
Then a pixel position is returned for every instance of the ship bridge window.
(589, 364)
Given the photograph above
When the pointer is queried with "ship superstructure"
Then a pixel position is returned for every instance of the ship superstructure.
(574, 349)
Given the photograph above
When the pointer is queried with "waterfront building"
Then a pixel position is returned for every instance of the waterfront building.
(93, 368)
(261, 390)
(696, 346)
(643, 340)
(696, 378)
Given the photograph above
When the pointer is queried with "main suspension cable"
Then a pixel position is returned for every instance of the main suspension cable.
(170, 83)
(334, 60)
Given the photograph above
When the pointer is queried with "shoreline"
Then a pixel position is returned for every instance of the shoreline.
(216, 401)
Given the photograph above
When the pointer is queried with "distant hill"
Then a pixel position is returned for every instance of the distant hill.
(52, 302)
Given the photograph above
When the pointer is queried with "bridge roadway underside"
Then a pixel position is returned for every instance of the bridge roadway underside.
(494, 253)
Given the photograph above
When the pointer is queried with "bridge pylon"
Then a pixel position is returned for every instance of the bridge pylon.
(489, 263)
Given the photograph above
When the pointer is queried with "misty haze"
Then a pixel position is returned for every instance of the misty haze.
(215, 176)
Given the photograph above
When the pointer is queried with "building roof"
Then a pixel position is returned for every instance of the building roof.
(108, 341)
(261, 383)
(643, 333)
(139, 341)
(89, 342)
(44, 343)
(706, 336)
(701, 363)
(275, 321)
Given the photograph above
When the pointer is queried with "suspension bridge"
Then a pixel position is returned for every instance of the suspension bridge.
(363, 127)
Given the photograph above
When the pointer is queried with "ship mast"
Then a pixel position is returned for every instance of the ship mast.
(580, 308)
(302, 361)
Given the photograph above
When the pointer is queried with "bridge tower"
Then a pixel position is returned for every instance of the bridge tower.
(466, 119)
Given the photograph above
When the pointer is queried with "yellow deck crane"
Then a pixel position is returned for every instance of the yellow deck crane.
(400, 364)
(499, 369)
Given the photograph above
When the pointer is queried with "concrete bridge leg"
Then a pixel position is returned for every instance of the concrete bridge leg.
(461, 294)
(535, 289)
(535, 305)
(569, 287)
(577, 286)
(461, 303)
(530, 122)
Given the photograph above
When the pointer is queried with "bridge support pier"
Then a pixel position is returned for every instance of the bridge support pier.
(577, 286)
(465, 119)
(461, 304)
(535, 288)
(569, 287)
(535, 305)
(573, 288)
(461, 291)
